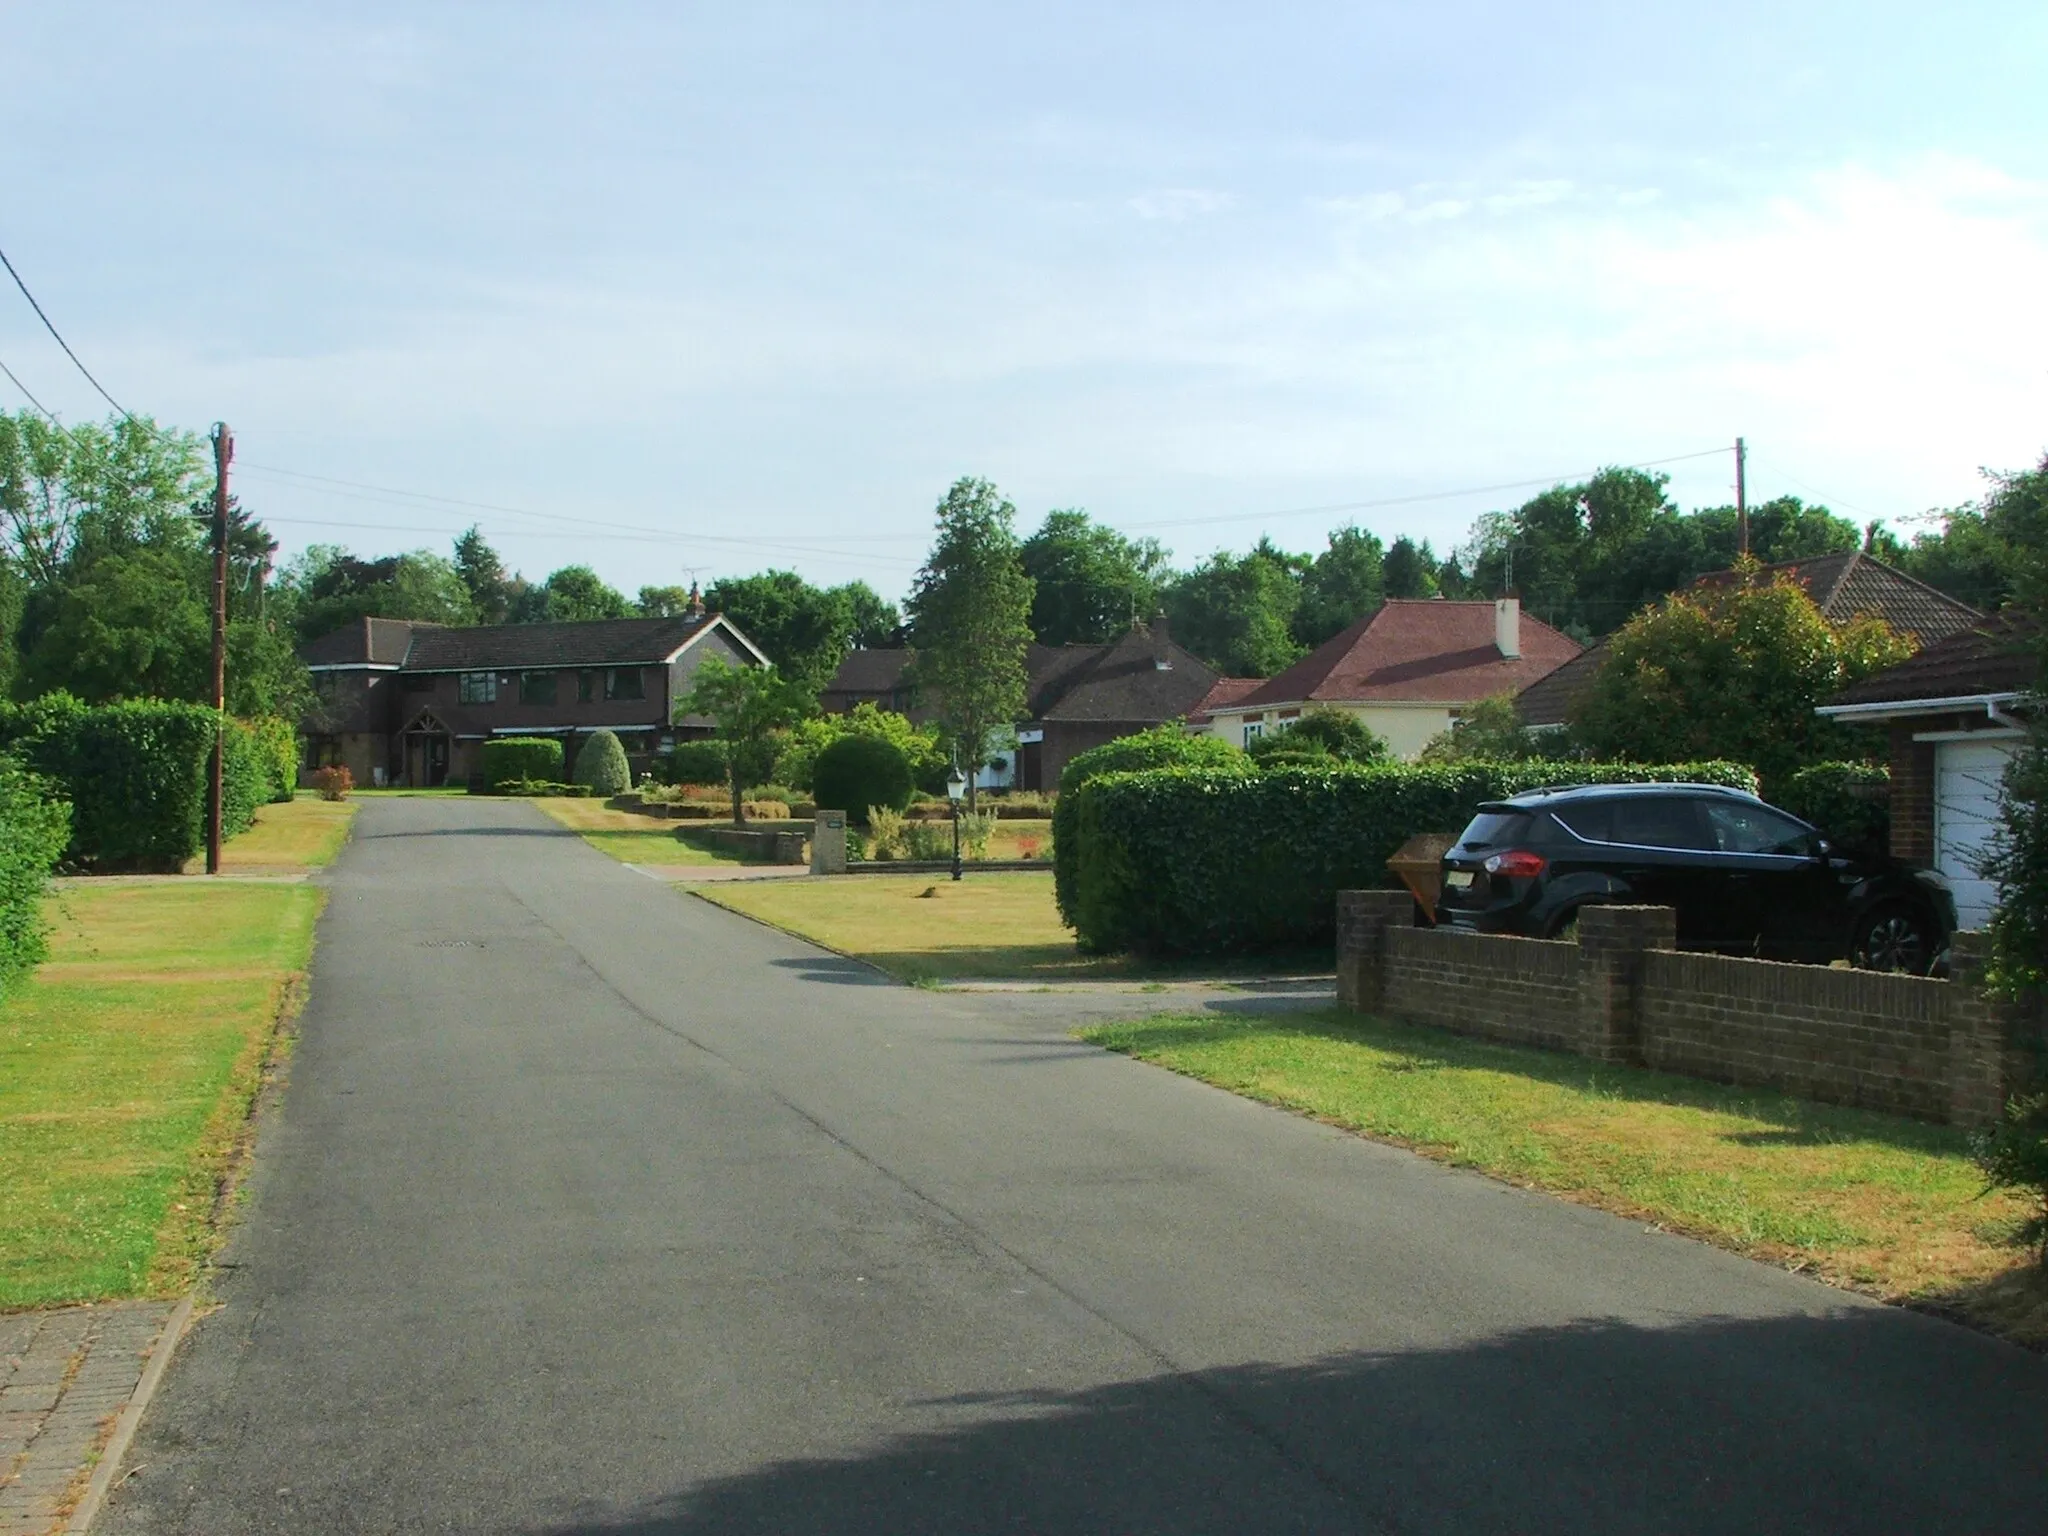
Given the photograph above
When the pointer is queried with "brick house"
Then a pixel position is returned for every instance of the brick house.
(1078, 696)
(400, 702)
(1408, 671)
(1842, 586)
(1952, 715)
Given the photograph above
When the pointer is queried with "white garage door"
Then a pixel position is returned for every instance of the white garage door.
(1966, 779)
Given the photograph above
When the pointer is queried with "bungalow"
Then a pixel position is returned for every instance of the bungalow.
(403, 702)
(1953, 714)
(1843, 586)
(1408, 670)
(1078, 696)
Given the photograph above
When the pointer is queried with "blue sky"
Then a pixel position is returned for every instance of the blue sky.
(739, 286)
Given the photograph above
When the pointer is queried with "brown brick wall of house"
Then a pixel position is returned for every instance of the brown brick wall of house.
(1912, 794)
(1938, 1050)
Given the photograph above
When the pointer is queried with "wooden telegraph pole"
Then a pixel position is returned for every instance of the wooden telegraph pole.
(223, 455)
(1741, 496)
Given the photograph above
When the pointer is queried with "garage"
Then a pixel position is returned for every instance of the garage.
(1967, 775)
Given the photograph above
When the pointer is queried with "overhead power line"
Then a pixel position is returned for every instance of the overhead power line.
(32, 400)
(95, 383)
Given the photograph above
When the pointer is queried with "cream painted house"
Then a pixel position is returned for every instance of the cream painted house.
(1408, 671)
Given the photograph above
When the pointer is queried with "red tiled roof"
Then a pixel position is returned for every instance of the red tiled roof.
(1419, 650)
(1228, 690)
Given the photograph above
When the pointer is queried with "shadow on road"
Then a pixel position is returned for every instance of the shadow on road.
(834, 968)
(1862, 1421)
(490, 831)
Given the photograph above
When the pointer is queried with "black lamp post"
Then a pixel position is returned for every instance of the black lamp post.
(956, 786)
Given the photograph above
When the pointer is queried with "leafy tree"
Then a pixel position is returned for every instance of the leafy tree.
(1091, 583)
(1321, 732)
(483, 576)
(662, 602)
(120, 483)
(1409, 569)
(804, 629)
(750, 706)
(798, 755)
(872, 622)
(574, 594)
(1731, 671)
(1237, 612)
(128, 625)
(326, 587)
(970, 621)
(1490, 731)
(1344, 584)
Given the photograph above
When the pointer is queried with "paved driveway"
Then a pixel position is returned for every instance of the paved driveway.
(594, 1208)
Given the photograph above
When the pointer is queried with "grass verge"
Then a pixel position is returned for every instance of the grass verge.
(301, 833)
(127, 1066)
(925, 928)
(1887, 1206)
(630, 837)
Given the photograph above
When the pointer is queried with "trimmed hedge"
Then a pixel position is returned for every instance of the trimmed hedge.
(1164, 746)
(1850, 802)
(137, 776)
(279, 743)
(34, 830)
(691, 762)
(1188, 861)
(601, 764)
(857, 773)
(519, 757)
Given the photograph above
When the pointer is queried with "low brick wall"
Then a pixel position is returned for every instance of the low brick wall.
(777, 846)
(1938, 1050)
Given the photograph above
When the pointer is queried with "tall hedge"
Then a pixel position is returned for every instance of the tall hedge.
(35, 827)
(601, 764)
(1164, 746)
(1850, 802)
(520, 757)
(692, 762)
(1189, 861)
(279, 742)
(137, 775)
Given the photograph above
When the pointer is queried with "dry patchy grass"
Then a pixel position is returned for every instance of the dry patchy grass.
(1888, 1206)
(630, 837)
(127, 1065)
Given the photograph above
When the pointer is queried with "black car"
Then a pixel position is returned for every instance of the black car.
(1746, 878)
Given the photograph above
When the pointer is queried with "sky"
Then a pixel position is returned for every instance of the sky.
(683, 291)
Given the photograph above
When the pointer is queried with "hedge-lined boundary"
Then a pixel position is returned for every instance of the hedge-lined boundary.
(137, 776)
(35, 827)
(508, 758)
(1192, 861)
(1850, 802)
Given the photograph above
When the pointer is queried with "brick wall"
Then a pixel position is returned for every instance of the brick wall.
(1912, 792)
(1840, 1036)
(1938, 1050)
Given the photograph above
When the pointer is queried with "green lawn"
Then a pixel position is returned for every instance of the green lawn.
(1890, 1206)
(930, 928)
(632, 838)
(127, 1065)
(301, 833)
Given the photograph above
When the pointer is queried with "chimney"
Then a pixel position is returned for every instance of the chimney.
(696, 602)
(1162, 643)
(1507, 627)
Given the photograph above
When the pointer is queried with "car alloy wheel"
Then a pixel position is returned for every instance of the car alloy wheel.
(1893, 939)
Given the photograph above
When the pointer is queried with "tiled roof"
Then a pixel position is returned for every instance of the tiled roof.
(1226, 691)
(2001, 654)
(422, 647)
(1842, 586)
(1125, 681)
(1422, 650)
(876, 671)
(372, 642)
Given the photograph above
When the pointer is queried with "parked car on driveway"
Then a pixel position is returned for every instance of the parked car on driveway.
(1744, 877)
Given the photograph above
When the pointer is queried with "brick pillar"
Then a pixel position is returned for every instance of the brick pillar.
(1612, 943)
(1363, 918)
(1978, 1037)
(828, 843)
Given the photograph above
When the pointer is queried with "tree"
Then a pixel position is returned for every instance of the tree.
(1489, 731)
(483, 576)
(662, 602)
(1409, 569)
(970, 621)
(120, 483)
(872, 622)
(1091, 583)
(1732, 670)
(326, 588)
(749, 706)
(1322, 732)
(797, 756)
(1345, 583)
(574, 594)
(1236, 612)
(804, 629)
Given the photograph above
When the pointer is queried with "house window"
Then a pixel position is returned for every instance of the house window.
(419, 682)
(477, 687)
(536, 687)
(623, 683)
(1253, 730)
(585, 687)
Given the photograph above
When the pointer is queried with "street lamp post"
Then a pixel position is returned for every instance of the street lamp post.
(956, 786)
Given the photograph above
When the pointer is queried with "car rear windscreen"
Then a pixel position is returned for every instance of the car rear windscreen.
(1496, 828)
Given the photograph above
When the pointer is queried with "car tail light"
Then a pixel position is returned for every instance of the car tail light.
(1519, 863)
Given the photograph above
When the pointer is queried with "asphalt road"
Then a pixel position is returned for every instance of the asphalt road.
(593, 1208)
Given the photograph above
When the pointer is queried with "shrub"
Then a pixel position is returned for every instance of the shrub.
(334, 783)
(1330, 732)
(35, 827)
(1164, 746)
(601, 763)
(974, 833)
(544, 789)
(279, 743)
(692, 762)
(1850, 802)
(1207, 862)
(796, 755)
(856, 773)
(519, 757)
(888, 827)
(2014, 1155)
(245, 778)
(767, 810)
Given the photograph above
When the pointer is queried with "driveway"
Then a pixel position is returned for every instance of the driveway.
(592, 1207)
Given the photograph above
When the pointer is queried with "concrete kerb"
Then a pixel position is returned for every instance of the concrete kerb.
(102, 1480)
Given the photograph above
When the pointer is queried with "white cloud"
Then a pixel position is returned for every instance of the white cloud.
(1177, 203)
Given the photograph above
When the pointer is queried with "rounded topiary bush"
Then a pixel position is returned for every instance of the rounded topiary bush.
(601, 764)
(856, 772)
